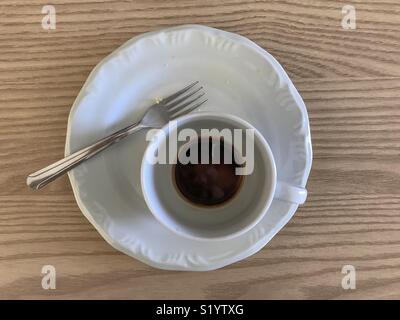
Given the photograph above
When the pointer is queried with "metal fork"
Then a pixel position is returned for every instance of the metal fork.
(156, 116)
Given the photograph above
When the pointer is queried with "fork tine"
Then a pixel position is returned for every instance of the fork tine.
(190, 109)
(176, 102)
(178, 93)
(179, 107)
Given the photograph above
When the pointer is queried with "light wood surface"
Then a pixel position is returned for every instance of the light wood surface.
(349, 79)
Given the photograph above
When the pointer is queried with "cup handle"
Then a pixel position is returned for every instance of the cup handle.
(290, 193)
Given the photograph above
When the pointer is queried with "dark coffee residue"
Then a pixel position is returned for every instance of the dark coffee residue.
(208, 184)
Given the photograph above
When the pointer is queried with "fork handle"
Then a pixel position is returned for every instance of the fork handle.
(39, 179)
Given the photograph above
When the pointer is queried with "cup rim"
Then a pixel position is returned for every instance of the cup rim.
(265, 149)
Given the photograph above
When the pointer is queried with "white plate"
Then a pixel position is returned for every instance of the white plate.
(240, 78)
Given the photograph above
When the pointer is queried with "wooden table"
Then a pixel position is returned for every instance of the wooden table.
(349, 79)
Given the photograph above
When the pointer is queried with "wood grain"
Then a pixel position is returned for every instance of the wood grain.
(350, 81)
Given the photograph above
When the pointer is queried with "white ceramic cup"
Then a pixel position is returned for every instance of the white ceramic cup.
(225, 221)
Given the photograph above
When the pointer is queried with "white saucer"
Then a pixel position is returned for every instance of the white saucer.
(240, 78)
